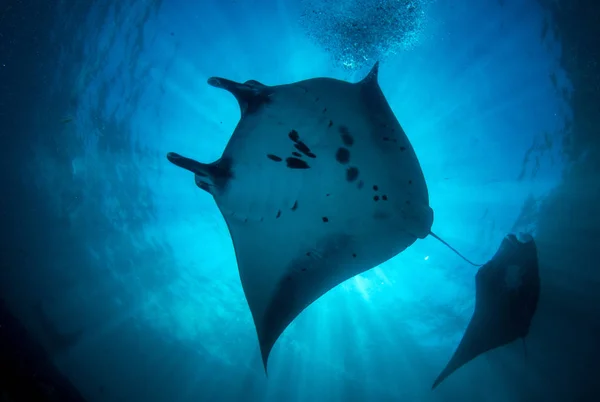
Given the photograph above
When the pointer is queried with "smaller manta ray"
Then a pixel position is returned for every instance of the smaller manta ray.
(507, 290)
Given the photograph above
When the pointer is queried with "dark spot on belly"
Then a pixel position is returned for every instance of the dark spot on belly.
(308, 253)
(376, 198)
(302, 147)
(348, 140)
(342, 155)
(325, 219)
(304, 269)
(295, 206)
(346, 137)
(353, 255)
(324, 110)
(402, 149)
(294, 136)
(274, 157)
(360, 184)
(330, 124)
(298, 154)
(278, 214)
(352, 174)
(295, 163)
(375, 188)
(380, 215)
(410, 182)
(384, 197)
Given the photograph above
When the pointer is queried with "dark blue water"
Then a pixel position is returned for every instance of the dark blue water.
(125, 272)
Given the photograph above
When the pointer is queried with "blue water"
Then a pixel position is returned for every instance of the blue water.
(121, 244)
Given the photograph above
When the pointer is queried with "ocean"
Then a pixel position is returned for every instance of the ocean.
(125, 272)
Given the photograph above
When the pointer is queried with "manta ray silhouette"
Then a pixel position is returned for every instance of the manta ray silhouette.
(507, 290)
(317, 184)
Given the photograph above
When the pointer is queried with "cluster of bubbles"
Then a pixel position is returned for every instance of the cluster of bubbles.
(359, 32)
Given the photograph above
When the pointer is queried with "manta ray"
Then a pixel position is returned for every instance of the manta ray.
(507, 289)
(318, 183)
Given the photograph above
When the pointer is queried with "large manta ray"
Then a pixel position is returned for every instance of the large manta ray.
(317, 184)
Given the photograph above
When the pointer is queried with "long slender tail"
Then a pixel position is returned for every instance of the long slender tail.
(453, 249)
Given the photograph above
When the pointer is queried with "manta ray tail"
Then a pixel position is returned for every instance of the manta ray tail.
(453, 249)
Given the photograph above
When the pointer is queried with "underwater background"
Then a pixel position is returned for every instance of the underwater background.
(125, 272)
